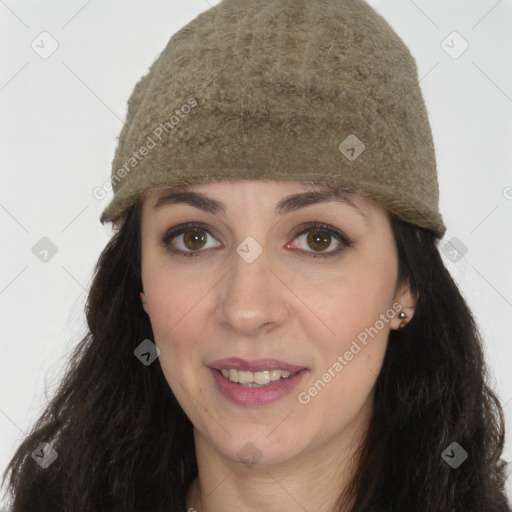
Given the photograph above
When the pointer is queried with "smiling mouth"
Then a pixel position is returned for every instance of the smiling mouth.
(255, 383)
(255, 379)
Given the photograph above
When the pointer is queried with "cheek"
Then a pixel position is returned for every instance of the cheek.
(360, 298)
(348, 359)
(355, 353)
(358, 315)
(177, 314)
(165, 307)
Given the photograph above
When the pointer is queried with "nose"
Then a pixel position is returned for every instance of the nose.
(252, 296)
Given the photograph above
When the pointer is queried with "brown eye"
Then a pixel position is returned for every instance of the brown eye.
(320, 237)
(318, 240)
(190, 240)
(194, 239)
(187, 240)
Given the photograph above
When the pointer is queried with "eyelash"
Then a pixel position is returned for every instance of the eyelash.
(345, 242)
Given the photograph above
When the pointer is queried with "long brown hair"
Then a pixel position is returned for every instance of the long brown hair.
(124, 443)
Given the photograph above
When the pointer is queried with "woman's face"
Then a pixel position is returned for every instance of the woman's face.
(258, 291)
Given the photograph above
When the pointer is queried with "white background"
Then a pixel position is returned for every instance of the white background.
(59, 121)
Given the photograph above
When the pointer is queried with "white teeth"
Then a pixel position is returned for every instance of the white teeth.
(262, 378)
(275, 374)
(245, 377)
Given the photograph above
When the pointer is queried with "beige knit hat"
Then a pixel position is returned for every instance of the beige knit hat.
(319, 91)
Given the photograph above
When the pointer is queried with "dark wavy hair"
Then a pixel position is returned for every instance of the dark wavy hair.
(125, 444)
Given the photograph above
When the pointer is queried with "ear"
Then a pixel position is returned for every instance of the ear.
(404, 302)
(144, 303)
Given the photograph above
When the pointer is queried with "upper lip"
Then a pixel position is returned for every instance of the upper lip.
(256, 365)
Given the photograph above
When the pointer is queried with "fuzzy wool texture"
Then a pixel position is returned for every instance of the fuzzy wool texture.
(269, 89)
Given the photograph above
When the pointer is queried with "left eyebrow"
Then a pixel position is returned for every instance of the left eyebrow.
(286, 205)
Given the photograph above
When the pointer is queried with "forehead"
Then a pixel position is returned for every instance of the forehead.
(278, 198)
(261, 189)
(281, 197)
(244, 199)
(245, 184)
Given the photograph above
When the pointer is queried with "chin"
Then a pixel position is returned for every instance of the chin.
(251, 448)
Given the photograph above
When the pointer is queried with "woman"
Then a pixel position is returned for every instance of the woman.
(272, 326)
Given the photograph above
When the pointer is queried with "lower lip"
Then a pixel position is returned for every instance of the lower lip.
(255, 396)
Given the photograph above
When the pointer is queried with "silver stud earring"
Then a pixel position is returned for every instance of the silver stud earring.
(403, 322)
